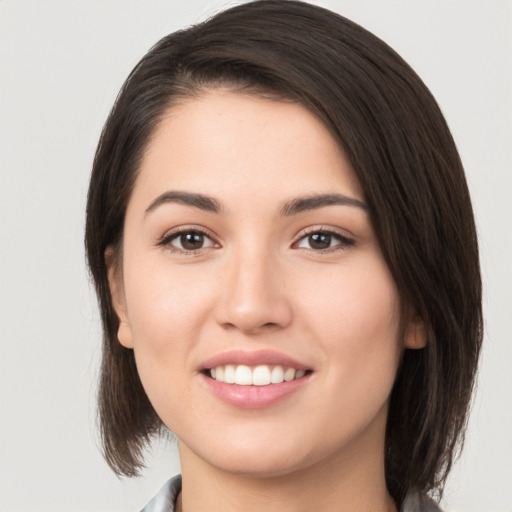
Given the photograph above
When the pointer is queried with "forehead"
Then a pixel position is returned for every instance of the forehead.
(222, 141)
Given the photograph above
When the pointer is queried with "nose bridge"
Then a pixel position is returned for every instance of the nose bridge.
(255, 296)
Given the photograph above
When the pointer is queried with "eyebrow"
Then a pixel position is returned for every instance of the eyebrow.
(297, 205)
(200, 201)
(316, 201)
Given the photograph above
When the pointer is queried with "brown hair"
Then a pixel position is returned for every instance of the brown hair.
(406, 161)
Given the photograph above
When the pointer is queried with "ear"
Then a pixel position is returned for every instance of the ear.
(115, 283)
(415, 335)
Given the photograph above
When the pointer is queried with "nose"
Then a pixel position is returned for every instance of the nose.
(254, 298)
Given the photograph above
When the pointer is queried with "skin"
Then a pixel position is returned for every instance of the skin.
(257, 283)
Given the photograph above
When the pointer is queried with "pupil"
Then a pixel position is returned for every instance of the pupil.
(320, 241)
(192, 241)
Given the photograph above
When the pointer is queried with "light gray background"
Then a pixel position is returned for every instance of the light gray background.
(62, 63)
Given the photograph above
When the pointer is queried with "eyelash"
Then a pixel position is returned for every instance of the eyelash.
(344, 242)
(184, 230)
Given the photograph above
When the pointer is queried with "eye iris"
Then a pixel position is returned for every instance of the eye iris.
(319, 241)
(192, 241)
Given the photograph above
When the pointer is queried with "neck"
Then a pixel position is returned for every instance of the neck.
(348, 481)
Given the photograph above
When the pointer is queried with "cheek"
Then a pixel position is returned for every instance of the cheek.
(357, 322)
(354, 298)
(164, 301)
(166, 309)
(163, 320)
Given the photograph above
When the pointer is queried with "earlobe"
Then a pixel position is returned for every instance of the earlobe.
(124, 332)
(416, 334)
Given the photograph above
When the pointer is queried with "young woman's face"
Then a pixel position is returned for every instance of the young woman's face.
(248, 253)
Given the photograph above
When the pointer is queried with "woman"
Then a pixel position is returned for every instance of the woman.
(284, 250)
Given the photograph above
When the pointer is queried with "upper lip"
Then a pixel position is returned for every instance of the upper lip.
(253, 358)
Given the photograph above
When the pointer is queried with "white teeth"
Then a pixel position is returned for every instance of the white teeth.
(243, 375)
(277, 375)
(261, 375)
(289, 374)
(229, 374)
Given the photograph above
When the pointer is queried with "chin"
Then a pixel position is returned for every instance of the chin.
(258, 467)
(267, 458)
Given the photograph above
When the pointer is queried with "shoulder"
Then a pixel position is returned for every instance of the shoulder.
(416, 502)
(165, 499)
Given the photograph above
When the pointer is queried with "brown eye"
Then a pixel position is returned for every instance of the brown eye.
(324, 241)
(191, 241)
(319, 241)
(187, 241)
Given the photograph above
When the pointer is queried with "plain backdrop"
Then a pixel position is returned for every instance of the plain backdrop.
(62, 63)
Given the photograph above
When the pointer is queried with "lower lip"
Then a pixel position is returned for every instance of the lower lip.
(253, 397)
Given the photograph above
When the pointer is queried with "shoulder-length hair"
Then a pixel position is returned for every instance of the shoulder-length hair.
(401, 149)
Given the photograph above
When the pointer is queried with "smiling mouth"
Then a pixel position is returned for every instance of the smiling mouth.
(261, 375)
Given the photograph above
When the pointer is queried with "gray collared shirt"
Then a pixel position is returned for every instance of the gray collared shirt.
(165, 500)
